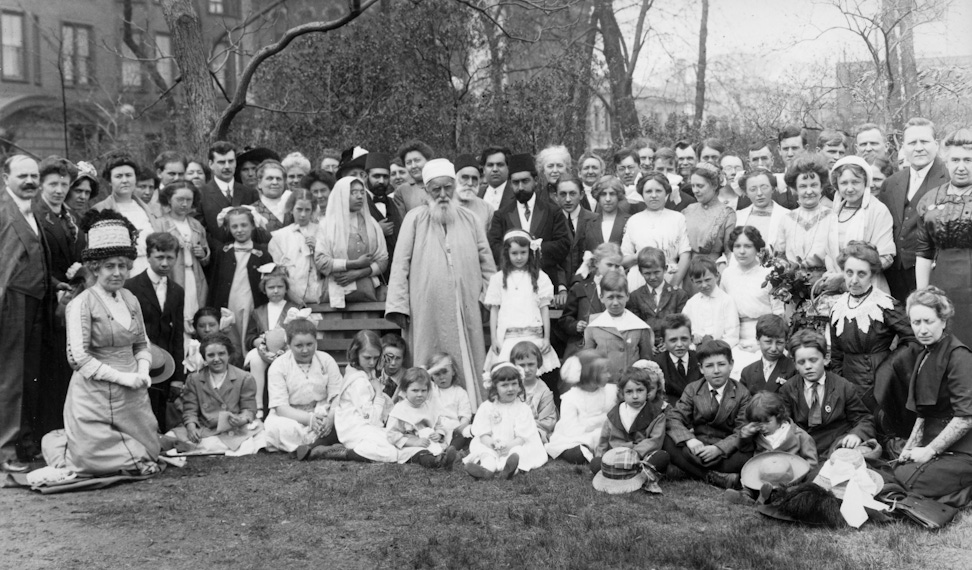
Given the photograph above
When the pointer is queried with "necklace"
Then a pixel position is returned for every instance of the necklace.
(860, 298)
(842, 208)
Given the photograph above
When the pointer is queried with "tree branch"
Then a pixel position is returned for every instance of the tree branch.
(238, 103)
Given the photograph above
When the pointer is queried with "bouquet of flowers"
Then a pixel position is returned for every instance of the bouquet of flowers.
(807, 294)
(789, 282)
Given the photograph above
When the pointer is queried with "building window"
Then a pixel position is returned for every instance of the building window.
(76, 54)
(165, 62)
(225, 7)
(131, 67)
(14, 55)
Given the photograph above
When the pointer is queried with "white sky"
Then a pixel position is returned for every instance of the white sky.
(781, 34)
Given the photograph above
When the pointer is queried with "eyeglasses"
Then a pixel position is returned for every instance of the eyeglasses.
(628, 169)
(393, 358)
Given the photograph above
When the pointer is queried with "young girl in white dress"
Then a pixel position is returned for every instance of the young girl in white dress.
(302, 385)
(518, 298)
(362, 406)
(415, 426)
(455, 411)
(505, 437)
(292, 247)
(584, 408)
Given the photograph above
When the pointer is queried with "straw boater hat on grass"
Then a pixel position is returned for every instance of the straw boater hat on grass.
(110, 234)
(774, 467)
(621, 472)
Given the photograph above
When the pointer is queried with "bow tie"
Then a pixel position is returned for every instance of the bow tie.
(380, 199)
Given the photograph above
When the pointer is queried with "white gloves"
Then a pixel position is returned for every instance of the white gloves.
(132, 380)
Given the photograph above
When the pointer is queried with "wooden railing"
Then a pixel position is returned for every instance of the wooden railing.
(338, 326)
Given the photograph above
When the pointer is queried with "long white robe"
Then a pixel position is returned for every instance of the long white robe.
(437, 280)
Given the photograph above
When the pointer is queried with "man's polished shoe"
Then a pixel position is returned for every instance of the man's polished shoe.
(14, 466)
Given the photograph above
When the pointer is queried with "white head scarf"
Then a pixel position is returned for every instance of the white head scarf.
(337, 219)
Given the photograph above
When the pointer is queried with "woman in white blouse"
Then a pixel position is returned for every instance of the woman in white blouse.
(764, 214)
(745, 281)
(656, 227)
(121, 171)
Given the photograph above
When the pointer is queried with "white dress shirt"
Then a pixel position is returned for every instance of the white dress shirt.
(719, 391)
(494, 196)
(521, 210)
(24, 207)
(160, 284)
(917, 178)
(225, 187)
(808, 392)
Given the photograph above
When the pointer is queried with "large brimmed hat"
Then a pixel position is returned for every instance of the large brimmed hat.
(843, 466)
(351, 159)
(163, 366)
(621, 472)
(774, 467)
(256, 155)
(110, 234)
(87, 171)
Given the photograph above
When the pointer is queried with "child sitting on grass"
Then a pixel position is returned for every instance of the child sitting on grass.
(824, 404)
(301, 383)
(702, 436)
(769, 429)
(584, 407)
(617, 333)
(452, 400)
(771, 371)
(219, 391)
(711, 310)
(527, 356)
(393, 353)
(638, 421)
(414, 426)
(505, 437)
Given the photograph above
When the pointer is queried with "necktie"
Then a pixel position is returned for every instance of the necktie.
(570, 221)
(680, 367)
(715, 398)
(69, 220)
(815, 417)
(160, 291)
(656, 298)
(526, 210)
(229, 191)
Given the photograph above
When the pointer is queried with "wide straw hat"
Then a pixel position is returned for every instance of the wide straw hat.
(621, 472)
(163, 366)
(773, 467)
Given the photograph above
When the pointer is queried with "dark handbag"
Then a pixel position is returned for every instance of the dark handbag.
(927, 513)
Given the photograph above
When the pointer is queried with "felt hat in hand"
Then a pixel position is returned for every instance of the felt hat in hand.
(774, 467)
(621, 472)
(162, 367)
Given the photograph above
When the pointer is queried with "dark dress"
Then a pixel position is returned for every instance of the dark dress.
(941, 389)
(945, 235)
(861, 335)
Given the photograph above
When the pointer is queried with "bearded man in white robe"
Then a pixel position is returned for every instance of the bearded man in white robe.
(440, 271)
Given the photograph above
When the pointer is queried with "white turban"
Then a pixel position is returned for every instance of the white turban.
(436, 168)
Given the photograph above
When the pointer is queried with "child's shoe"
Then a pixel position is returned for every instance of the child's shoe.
(724, 480)
(449, 458)
(512, 462)
(478, 471)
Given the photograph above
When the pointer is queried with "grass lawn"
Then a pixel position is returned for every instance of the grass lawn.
(269, 511)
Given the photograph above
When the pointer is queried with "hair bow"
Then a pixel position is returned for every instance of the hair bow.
(258, 219)
(306, 313)
(87, 169)
(267, 268)
(570, 370)
(535, 244)
(585, 266)
(226, 319)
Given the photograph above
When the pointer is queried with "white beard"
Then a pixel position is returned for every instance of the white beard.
(467, 194)
(442, 212)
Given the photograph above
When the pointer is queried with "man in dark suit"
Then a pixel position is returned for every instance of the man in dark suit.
(383, 209)
(222, 192)
(901, 193)
(539, 217)
(568, 197)
(679, 364)
(25, 288)
(163, 304)
(495, 161)
(773, 368)
(65, 240)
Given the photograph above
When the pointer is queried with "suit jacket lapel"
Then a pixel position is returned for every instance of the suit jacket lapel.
(537, 219)
(617, 230)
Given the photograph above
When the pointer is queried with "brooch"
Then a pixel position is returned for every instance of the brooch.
(496, 418)
(828, 409)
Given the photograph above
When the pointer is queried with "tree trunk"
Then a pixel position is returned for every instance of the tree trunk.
(625, 125)
(700, 72)
(190, 54)
(902, 70)
(576, 117)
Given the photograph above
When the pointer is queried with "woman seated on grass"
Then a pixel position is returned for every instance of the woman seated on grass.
(219, 405)
(302, 383)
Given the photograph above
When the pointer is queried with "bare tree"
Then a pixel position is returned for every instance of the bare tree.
(700, 70)
(621, 62)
